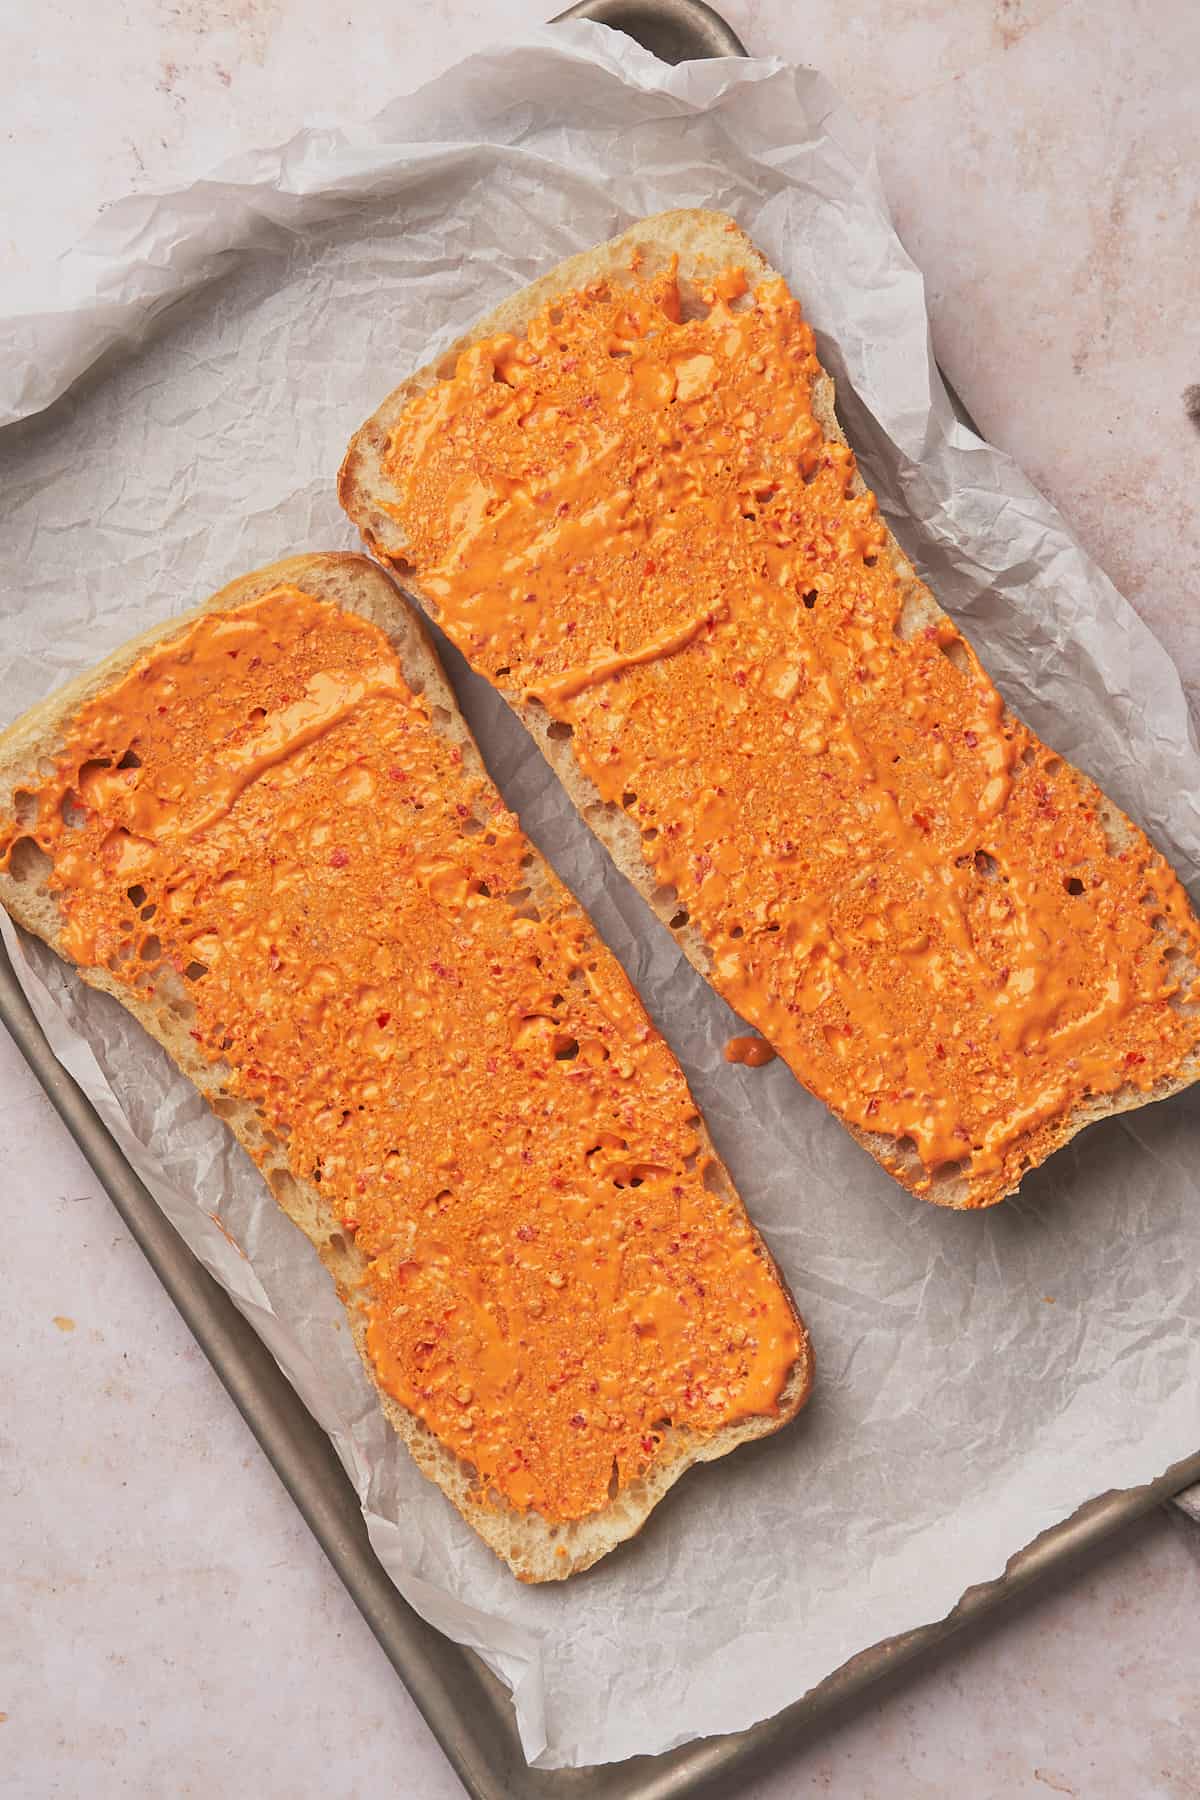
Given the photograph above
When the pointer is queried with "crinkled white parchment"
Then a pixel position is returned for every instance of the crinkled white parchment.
(979, 1376)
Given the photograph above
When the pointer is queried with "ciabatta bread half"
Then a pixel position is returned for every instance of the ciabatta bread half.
(536, 1547)
(391, 509)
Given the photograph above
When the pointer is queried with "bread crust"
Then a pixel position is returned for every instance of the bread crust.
(534, 1548)
(703, 241)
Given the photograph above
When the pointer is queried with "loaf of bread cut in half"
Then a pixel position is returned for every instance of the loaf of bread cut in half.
(626, 498)
(266, 829)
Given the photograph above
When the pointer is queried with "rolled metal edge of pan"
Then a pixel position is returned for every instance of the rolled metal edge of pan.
(673, 30)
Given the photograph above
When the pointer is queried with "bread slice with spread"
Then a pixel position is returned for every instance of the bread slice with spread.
(264, 828)
(626, 497)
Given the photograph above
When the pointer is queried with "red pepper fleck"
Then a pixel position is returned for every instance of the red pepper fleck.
(381, 1019)
(970, 739)
(578, 1421)
(338, 859)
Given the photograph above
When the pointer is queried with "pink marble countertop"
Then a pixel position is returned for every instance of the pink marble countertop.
(167, 1624)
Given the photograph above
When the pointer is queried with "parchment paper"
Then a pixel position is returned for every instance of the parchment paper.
(978, 1376)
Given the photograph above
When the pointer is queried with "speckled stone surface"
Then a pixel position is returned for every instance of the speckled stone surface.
(167, 1625)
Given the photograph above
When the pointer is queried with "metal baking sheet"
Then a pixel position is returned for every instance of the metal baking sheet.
(466, 1708)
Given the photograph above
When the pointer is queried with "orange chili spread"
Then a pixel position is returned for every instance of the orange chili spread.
(634, 519)
(262, 811)
(752, 1052)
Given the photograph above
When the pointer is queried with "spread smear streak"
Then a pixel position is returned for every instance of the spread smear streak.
(633, 519)
(262, 822)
